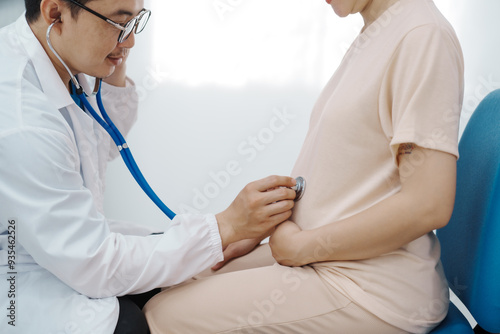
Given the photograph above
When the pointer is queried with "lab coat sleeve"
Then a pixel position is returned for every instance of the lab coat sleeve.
(122, 105)
(60, 227)
(130, 228)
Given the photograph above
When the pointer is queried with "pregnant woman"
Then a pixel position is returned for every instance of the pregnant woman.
(358, 254)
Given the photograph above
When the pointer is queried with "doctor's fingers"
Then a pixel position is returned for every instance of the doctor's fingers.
(274, 220)
(278, 194)
(277, 210)
(273, 181)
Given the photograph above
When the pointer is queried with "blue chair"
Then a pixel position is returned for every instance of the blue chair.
(471, 241)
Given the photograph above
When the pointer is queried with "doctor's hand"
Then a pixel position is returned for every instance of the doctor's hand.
(257, 209)
(287, 243)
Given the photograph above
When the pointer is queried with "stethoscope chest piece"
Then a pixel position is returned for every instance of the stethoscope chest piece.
(299, 188)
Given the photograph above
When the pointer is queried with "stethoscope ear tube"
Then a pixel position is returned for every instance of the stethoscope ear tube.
(47, 37)
(74, 80)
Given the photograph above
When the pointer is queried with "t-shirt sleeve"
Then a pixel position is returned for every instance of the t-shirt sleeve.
(422, 91)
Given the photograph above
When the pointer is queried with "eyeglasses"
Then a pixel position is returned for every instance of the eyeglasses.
(136, 25)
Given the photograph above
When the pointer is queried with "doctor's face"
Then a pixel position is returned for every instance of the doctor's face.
(90, 44)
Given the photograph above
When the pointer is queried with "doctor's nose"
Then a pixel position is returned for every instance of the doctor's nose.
(128, 43)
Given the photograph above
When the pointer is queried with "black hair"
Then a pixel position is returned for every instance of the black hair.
(33, 9)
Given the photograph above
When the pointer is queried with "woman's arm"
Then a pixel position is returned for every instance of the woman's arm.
(424, 203)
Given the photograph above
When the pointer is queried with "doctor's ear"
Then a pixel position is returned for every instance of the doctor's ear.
(52, 10)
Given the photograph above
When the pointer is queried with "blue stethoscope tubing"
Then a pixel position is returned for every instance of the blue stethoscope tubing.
(122, 146)
(110, 128)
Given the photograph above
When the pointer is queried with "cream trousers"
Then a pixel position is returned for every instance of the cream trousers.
(254, 294)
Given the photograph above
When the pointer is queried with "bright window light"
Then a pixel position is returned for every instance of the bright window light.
(235, 42)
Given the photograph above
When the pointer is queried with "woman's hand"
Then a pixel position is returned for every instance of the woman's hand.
(286, 244)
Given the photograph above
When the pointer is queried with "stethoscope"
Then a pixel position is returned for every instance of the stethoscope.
(119, 140)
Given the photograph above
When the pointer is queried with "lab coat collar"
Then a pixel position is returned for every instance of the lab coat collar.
(51, 82)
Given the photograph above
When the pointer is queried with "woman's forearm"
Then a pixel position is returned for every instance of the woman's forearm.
(424, 203)
(380, 229)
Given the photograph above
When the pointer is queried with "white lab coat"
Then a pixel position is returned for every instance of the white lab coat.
(70, 264)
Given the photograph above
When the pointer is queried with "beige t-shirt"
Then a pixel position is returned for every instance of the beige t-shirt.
(401, 81)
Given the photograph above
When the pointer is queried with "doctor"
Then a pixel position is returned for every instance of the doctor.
(62, 263)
